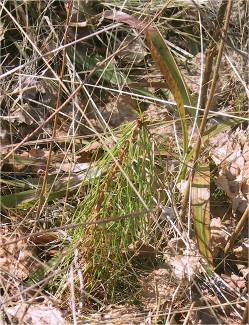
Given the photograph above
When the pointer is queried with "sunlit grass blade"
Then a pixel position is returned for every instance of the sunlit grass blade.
(163, 58)
(200, 196)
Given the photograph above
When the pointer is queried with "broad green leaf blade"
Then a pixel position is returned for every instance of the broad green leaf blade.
(19, 159)
(223, 126)
(108, 72)
(165, 61)
(200, 196)
(25, 199)
(44, 270)
(20, 199)
(27, 183)
(163, 58)
(12, 182)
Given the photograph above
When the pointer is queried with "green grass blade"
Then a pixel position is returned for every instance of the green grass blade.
(26, 199)
(163, 58)
(200, 195)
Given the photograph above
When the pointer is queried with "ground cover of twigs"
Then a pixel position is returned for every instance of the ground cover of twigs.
(124, 162)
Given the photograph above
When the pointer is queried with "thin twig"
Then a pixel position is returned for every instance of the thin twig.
(245, 319)
(210, 55)
(42, 199)
(237, 231)
(77, 225)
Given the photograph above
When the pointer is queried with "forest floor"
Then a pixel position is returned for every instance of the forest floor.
(124, 162)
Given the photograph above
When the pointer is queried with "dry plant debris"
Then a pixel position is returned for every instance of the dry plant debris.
(219, 235)
(230, 152)
(17, 258)
(184, 262)
(35, 314)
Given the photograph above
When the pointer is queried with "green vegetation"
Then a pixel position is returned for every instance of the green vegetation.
(110, 115)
